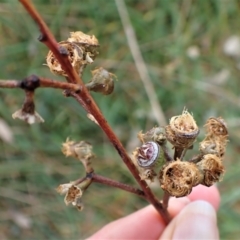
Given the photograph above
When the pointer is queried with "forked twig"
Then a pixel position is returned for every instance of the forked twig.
(62, 56)
(110, 182)
(103, 180)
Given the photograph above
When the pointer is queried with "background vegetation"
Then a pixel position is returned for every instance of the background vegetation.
(182, 43)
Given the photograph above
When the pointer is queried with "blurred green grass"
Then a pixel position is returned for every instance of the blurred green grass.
(32, 165)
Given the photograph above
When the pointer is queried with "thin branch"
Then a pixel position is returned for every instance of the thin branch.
(9, 84)
(127, 160)
(178, 151)
(166, 197)
(140, 64)
(45, 82)
(33, 81)
(109, 182)
(80, 180)
(48, 39)
(62, 57)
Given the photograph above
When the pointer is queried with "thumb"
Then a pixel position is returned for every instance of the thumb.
(196, 221)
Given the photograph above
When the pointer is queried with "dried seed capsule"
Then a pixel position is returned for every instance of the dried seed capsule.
(148, 154)
(155, 134)
(216, 126)
(212, 168)
(178, 178)
(81, 150)
(102, 81)
(182, 130)
(75, 56)
(73, 193)
(216, 138)
(88, 44)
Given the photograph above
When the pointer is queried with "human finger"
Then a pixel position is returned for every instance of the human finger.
(209, 194)
(147, 223)
(196, 221)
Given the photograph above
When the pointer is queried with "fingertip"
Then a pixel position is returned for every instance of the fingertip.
(195, 221)
(209, 194)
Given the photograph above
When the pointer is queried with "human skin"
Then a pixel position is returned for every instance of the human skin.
(194, 217)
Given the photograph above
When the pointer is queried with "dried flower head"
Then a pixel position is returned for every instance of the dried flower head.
(212, 168)
(84, 39)
(216, 138)
(68, 148)
(75, 56)
(27, 117)
(182, 130)
(63, 188)
(178, 178)
(84, 150)
(88, 44)
(216, 126)
(155, 134)
(102, 81)
(73, 194)
(80, 150)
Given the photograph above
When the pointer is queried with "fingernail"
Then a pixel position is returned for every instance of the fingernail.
(196, 221)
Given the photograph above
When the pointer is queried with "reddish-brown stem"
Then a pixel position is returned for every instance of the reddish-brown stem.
(9, 84)
(122, 152)
(109, 182)
(33, 82)
(28, 105)
(48, 39)
(80, 180)
(45, 82)
(178, 153)
(166, 197)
